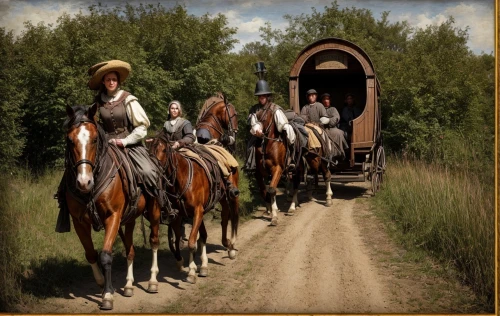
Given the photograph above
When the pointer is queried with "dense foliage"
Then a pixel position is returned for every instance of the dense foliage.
(172, 54)
(435, 91)
(436, 94)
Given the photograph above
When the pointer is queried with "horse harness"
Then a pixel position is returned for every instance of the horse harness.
(232, 130)
(209, 164)
(108, 158)
(262, 116)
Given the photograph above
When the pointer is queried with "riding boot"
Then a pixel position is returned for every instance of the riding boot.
(291, 159)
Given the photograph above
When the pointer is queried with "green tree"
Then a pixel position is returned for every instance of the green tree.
(11, 110)
(172, 54)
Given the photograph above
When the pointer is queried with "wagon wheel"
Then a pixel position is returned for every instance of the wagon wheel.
(378, 169)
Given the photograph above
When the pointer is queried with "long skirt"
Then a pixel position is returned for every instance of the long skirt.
(339, 142)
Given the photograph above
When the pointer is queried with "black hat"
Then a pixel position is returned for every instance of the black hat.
(324, 95)
(262, 87)
(311, 91)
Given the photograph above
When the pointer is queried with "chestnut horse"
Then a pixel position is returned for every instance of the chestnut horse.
(189, 192)
(89, 160)
(217, 120)
(270, 159)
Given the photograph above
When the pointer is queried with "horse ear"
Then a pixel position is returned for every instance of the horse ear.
(92, 111)
(70, 111)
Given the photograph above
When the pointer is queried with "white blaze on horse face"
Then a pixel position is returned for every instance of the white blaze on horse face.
(85, 180)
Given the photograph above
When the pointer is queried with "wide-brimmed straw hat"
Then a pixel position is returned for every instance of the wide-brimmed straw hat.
(98, 71)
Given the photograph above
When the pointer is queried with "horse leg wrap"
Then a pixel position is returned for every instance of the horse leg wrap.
(106, 259)
(271, 191)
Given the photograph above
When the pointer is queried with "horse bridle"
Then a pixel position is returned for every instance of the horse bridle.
(85, 161)
(231, 129)
(266, 109)
(170, 162)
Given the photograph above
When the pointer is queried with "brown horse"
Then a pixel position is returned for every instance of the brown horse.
(270, 154)
(270, 159)
(92, 166)
(189, 192)
(217, 120)
(310, 167)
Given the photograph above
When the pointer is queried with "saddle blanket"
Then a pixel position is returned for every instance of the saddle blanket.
(224, 158)
(313, 141)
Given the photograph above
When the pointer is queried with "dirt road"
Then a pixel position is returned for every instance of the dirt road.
(321, 260)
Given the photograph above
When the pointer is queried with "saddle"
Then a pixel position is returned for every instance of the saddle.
(225, 160)
(318, 138)
(204, 157)
(114, 161)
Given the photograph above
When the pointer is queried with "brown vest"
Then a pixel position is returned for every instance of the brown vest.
(113, 117)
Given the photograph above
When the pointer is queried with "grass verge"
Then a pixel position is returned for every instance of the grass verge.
(449, 215)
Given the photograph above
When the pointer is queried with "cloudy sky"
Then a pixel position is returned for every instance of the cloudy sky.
(248, 15)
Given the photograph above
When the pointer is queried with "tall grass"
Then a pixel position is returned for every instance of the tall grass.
(449, 214)
(28, 218)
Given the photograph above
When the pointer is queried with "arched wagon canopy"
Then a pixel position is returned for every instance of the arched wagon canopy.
(336, 66)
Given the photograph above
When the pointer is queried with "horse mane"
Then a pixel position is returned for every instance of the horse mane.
(80, 112)
(208, 105)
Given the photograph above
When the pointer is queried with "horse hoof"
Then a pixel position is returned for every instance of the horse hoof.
(107, 304)
(153, 288)
(274, 221)
(232, 254)
(128, 291)
(328, 203)
(191, 279)
(290, 212)
(203, 272)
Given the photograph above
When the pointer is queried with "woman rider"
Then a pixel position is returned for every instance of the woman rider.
(125, 123)
(178, 128)
(123, 119)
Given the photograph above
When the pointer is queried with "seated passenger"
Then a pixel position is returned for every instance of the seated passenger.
(349, 113)
(332, 129)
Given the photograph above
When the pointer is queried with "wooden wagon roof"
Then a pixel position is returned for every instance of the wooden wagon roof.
(334, 43)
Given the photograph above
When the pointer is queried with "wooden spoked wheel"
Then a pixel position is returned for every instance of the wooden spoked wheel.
(378, 169)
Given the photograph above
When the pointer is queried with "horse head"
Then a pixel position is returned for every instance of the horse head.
(161, 148)
(82, 144)
(216, 118)
(265, 117)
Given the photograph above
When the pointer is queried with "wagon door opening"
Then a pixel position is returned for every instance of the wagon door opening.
(338, 67)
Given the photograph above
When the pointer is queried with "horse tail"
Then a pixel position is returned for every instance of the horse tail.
(171, 238)
(234, 216)
(122, 236)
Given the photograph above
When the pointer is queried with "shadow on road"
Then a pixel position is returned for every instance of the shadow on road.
(68, 278)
